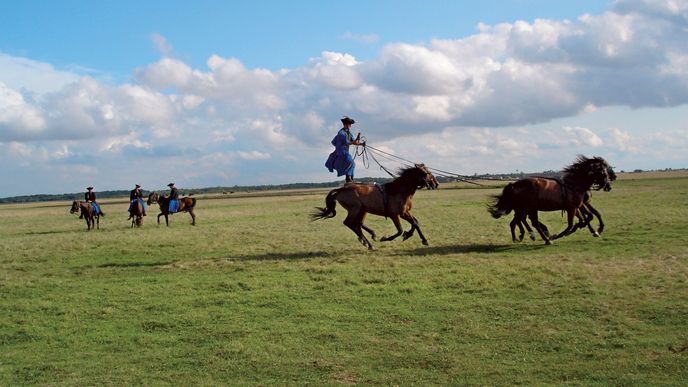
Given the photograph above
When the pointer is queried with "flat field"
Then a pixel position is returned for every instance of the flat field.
(258, 294)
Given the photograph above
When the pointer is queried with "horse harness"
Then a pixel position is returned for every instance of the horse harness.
(385, 197)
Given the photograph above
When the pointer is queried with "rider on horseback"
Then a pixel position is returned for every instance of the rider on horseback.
(341, 159)
(90, 197)
(134, 195)
(174, 198)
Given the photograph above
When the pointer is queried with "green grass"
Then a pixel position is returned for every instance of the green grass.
(258, 294)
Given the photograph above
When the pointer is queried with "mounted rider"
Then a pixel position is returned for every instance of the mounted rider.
(341, 159)
(174, 198)
(134, 196)
(90, 197)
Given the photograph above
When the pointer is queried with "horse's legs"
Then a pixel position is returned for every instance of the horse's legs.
(593, 211)
(98, 221)
(585, 219)
(516, 221)
(414, 226)
(533, 215)
(368, 229)
(352, 221)
(159, 215)
(524, 222)
(397, 224)
(570, 213)
(193, 217)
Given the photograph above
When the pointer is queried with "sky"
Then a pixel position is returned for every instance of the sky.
(217, 93)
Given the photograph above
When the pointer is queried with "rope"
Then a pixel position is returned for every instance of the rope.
(451, 175)
(372, 155)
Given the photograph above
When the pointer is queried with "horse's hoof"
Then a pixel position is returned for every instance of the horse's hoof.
(426, 243)
(548, 242)
(596, 234)
(384, 239)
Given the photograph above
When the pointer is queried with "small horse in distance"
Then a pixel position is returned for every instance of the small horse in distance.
(136, 214)
(186, 204)
(528, 196)
(393, 200)
(89, 213)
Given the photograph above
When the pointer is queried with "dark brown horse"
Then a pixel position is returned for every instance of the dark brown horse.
(391, 200)
(136, 214)
(528, 196)
(186, 204)
(584, 214)
(88, 212)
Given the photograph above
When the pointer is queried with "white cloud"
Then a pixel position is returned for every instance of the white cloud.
(36, 77)
(449, 101)
(253, 155)
(365, 38)
(163, 46)
(583, 136)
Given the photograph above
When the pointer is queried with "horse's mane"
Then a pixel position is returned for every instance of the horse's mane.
(405, 172)
(581, 167)
(405, 175)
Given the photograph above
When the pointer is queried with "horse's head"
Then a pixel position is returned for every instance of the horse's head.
(612, 177)
(601, 173)
(420, 176)
(75, 207)
(152, 198)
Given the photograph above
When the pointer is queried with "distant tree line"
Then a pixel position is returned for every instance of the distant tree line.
(267, 187)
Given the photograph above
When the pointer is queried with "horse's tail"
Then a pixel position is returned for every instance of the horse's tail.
(193, 203)
(503, 204)
(329, 210)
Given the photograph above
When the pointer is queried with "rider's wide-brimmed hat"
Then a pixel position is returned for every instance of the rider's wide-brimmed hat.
(138, 186)
(89, 188)
(348, 120)
(170, 185)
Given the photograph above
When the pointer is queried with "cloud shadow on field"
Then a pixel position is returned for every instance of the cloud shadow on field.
(470, 248)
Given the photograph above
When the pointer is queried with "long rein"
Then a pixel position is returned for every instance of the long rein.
(369, 151)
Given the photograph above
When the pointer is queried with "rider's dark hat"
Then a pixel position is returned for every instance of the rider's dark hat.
(138, 186)
(170, 185)
(347, 120)
(89, 187)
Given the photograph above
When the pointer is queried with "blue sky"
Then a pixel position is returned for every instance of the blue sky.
(220, 93)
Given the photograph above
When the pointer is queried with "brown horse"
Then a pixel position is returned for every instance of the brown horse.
(88, 212)
(136, 214)
(186, 204)
(391, 200)
(530, 195)
(584, 214)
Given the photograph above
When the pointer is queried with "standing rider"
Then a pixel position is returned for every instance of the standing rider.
(134, 195)
(90, 197)
(174, 198)
(341, 159)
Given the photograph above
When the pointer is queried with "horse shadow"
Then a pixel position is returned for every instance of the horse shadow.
(135, 264)
(480, 248)
(298, 256)
(49, 232)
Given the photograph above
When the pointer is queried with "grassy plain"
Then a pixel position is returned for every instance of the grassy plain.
(258, 294)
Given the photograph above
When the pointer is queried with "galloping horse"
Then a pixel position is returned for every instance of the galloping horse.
(136, 214)
(89, 213)
(391, 200)
(584, 214)
(186, 204)
(530, 195)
